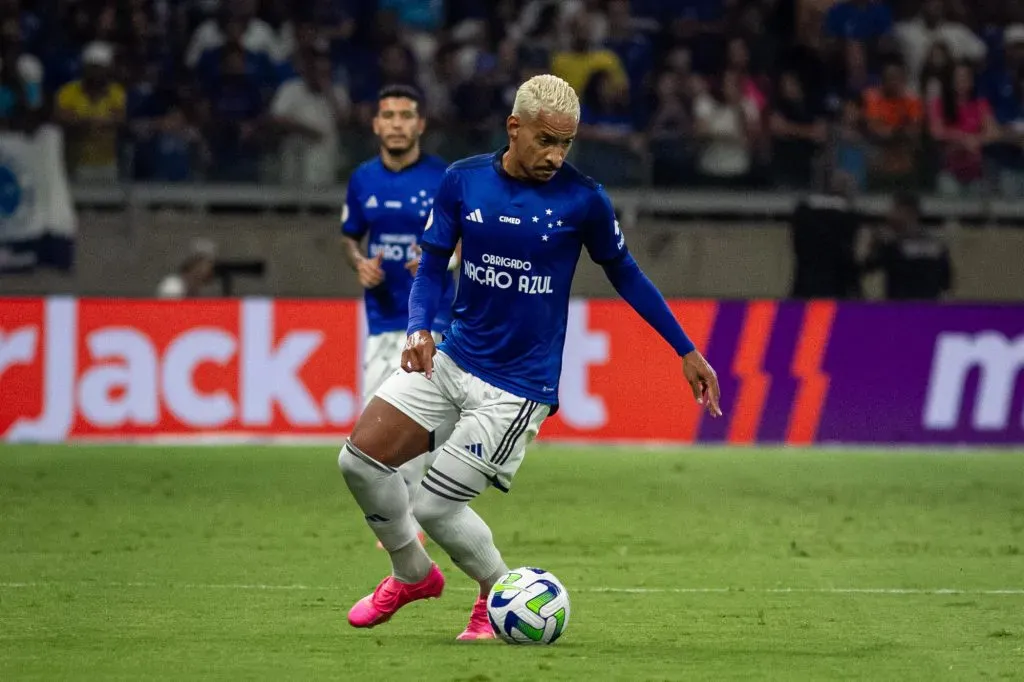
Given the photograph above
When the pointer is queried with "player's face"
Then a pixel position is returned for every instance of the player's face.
(398, 124)
(542, 143)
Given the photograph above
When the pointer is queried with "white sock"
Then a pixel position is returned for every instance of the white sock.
(442, 508)
(381, 493)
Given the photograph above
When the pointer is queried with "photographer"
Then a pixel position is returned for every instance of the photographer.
(194, 274)
(916, 262)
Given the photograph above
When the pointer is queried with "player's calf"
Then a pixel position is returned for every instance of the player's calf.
(442, 508)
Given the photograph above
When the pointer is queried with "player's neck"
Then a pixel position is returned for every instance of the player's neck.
(400, 162)
(511, 166)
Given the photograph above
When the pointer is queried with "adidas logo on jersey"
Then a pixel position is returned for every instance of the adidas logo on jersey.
(476, 449)
(475, 216)
(371, 202)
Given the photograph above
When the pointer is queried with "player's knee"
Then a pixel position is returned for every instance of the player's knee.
(347, 462)
(432, 510)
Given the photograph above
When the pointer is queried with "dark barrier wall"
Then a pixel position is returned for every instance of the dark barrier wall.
(122, 255)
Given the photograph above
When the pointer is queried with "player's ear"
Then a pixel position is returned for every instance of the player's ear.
(512, 126)
(375, 121)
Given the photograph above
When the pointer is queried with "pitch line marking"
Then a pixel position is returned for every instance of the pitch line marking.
(1003, 592)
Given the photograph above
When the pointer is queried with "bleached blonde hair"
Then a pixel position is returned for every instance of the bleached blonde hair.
(546, 93)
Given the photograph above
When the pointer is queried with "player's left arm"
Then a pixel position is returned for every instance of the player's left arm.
(607, 247)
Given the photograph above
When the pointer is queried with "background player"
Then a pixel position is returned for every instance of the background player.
(389, 199)
(523, 217)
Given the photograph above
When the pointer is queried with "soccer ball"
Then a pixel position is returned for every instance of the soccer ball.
(528, 606)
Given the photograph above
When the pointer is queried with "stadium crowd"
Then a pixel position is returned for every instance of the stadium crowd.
(912, 94)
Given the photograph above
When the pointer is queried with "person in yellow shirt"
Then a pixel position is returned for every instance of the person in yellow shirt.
(92, 110)
(581, 61)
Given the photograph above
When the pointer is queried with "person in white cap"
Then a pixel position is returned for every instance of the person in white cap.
(92, 109)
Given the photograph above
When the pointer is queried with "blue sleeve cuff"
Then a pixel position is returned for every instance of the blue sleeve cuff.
(427, 288)
(641, 294)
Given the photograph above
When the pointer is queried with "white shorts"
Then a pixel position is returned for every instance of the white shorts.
(382, 357)
(492, 426)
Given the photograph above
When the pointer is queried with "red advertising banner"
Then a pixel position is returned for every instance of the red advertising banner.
(791, 372)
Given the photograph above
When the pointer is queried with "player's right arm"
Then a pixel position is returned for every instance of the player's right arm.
(353, 228)
(440, 236)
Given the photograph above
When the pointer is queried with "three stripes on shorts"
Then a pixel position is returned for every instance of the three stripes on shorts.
(447, 487)
(514, 433)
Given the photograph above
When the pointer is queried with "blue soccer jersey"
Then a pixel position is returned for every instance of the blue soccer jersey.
(392, 208)
(520, 245)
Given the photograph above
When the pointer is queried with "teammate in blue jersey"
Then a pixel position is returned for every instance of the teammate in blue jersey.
(523, 216)
(389, 199)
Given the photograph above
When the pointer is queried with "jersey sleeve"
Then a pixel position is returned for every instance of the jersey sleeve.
(442, 231)
(353, 222)
(601, 232)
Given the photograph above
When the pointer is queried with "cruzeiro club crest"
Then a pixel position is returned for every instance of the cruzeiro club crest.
(17, 195)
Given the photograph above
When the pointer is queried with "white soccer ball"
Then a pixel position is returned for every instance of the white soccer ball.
(528, 606)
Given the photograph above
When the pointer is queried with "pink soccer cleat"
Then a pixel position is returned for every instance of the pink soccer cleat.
(479, 624)
(421, 536)
(391, 595)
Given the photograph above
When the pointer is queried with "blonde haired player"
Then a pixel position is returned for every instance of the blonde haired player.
(524, 216)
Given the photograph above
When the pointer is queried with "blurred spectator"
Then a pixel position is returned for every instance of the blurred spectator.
(420, 21)
(1000, 82)
(194, 274)
(917, 36)
(798, 130)
(256, 34)
(915, 262)
(479, 112)
(582, 60)
(236, 117)
(858, 35)
(309, 111)
(936, 72)
(760, 36)
(670, 131)
(633, 48)
(393, 64)
(737, 60)
(21, 81)
(612, 144)
(166, 123)
(894, 116)
(862, 21)
(727, 125)
(1008, 153)
(258, 67)
(92, 110)
(824, 230)
(439, 83)
(851, 145)
(419, 15)
(962, 123)
(539, 38)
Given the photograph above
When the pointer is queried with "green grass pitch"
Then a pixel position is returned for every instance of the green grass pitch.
(239, 563)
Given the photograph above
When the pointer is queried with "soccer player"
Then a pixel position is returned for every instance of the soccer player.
(389, 199)
(523, 216)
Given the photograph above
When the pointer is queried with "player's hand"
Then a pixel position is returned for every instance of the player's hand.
(703, 381)
(418, 354)
(370, 272)
(413, 264)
